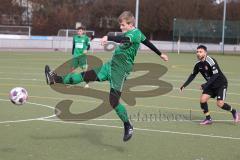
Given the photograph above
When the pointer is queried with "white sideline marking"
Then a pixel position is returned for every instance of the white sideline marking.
(179, 76)
(198, 90)
(143, 86)
(152, 121)
(32, 119)
(148, 130)
(22, 79)
(109, 126)
(98, 119)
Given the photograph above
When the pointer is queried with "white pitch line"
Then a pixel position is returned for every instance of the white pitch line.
(109, 126)
(23, 79)
(198, 90)
(23, 120)
(32, 119)
(141, 121)
(139, 73)
(196, 81)
(175, 76)
(168, 76)
(176, 88)
(11, 73)
(136, 120)
(148, 130)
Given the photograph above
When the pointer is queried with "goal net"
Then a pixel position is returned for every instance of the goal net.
(15, 30)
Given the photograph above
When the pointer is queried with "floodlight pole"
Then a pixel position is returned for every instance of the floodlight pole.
(137, 13)
(223, 28)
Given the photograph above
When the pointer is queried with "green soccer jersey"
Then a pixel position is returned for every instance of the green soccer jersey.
(125, 53)
(80, 43)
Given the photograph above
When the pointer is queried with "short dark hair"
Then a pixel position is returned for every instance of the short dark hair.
(81, 27)
(202, 47)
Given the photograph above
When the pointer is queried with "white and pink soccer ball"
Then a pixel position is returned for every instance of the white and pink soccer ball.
(18, 95)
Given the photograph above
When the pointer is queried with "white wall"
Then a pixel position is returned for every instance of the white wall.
(41, 42)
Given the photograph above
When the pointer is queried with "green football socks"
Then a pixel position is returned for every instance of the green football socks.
(72, 78)
(122, 112)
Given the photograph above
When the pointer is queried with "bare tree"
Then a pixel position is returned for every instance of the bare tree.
(155, 19)
(11, 12)
(50, 16)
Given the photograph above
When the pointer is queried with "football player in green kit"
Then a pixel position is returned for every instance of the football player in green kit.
(115, 70)
(81, 44)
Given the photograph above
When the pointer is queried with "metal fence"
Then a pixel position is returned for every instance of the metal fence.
(54, 43)
(205, 31)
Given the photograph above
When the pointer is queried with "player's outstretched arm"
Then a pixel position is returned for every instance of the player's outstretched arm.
(73, 47)
(191, 77)
(181, 88)
(164, 57)
(188, 81)
(147, 43)
(117, 39)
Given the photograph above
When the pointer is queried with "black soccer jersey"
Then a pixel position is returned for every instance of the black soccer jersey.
(211, 73)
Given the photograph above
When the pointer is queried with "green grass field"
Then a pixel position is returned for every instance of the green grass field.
(166, 126)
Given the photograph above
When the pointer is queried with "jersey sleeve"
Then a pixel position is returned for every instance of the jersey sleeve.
(192, 76)
(136, 36)
(147, 43)
(87, 43)
(88, 40)
(73, 46)
(119, 39)
(195, 69)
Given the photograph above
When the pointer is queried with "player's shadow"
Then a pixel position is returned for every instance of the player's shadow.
(196, 119)
(152, 78)
(96, 138)
(93, 136)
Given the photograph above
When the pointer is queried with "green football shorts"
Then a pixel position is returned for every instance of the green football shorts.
(80, 61)
(114, 74)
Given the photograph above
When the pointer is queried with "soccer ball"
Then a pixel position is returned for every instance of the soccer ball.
(18, 95)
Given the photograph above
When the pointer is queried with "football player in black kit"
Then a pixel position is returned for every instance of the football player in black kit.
(216, 85)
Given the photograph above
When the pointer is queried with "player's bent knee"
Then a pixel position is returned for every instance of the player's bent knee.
(203, 100)
(220, 103)
(114, 97)
(113, 102)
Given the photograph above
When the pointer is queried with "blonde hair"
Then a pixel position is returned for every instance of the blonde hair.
(128, 17)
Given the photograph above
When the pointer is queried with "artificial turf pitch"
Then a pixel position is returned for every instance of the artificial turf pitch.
(166, 126)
